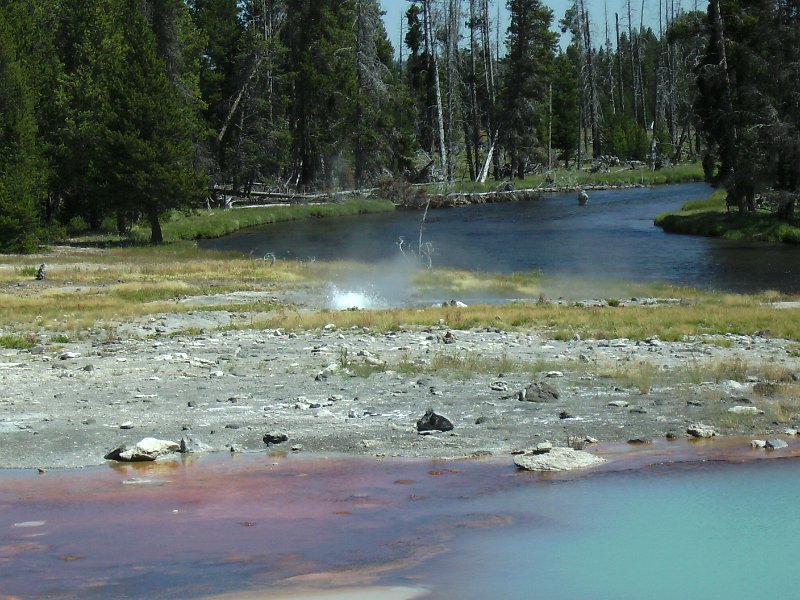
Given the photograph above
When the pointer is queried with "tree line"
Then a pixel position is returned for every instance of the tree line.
(122, 110)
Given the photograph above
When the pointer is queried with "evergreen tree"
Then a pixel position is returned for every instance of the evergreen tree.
(149, 152)
(565, 106)
(21, 175)
(530, 51)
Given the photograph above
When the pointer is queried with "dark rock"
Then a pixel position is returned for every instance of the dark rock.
(191, 404)
(639, 441)
(449, 338)
(275, 437)
(480, 420)
(232, 426)
(638, 410)
(538, 392)
(565, 415)
(430, 421)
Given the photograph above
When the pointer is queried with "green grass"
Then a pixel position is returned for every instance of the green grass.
(617, 176)
(200, 224)
(17, 342)
(709, 217)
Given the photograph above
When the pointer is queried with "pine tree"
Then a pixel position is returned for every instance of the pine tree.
(530, 45)
(21, 174)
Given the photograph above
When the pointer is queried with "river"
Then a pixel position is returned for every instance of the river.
(611, 238)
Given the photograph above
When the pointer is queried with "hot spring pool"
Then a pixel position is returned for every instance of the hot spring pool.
(452, 529)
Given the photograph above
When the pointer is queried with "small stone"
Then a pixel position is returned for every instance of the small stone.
(275, 437)
(638, 410)
(700, 430)
(791, 431)
(69, 355)
(543, 447)
(758, 443)
(126, 425)
(619, 403)
(640, 441)
(554, 374)
(191, 404)
(565, 415)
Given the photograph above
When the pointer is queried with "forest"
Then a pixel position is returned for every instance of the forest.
(123, 110)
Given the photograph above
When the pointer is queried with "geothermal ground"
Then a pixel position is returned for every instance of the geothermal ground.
(360, 392)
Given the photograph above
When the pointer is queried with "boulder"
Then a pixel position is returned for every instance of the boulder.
(538, 392)
(430, 421)
(145, 450)
(699, 430)
(557, 459)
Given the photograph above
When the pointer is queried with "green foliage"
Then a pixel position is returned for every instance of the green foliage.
(16, 342)
(624, 138)
(531, 46)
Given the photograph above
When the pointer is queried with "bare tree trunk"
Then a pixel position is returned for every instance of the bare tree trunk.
(473, 91)
(594, 118)
(610, 75)
(434, 66)
(619, 69)
(489, 73)
(634, 72)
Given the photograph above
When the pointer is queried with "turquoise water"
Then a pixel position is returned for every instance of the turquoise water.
(723, 532)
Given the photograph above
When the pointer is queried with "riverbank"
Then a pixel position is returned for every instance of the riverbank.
(710, 217)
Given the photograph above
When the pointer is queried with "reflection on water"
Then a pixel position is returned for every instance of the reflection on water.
(612, 237)
(460, 529)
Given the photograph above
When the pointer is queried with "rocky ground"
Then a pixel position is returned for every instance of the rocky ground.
(359, 392)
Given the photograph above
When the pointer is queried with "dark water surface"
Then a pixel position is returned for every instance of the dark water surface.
(612, 237)
(461, 529)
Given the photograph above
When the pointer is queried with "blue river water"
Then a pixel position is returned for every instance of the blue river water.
(613, 237)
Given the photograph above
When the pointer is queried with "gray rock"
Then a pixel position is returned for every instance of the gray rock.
(557, 459)
(758, 443)
(538, 392)
(190, 444)
(776, 444)
(699, 430)
(619, 403)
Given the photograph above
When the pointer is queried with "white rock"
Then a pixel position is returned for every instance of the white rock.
(758, 443)
(619, 403)
(745, 410)
(558, 459)
(555, 374)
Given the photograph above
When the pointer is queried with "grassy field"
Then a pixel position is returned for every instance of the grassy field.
(91, 290)
(710, 217)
